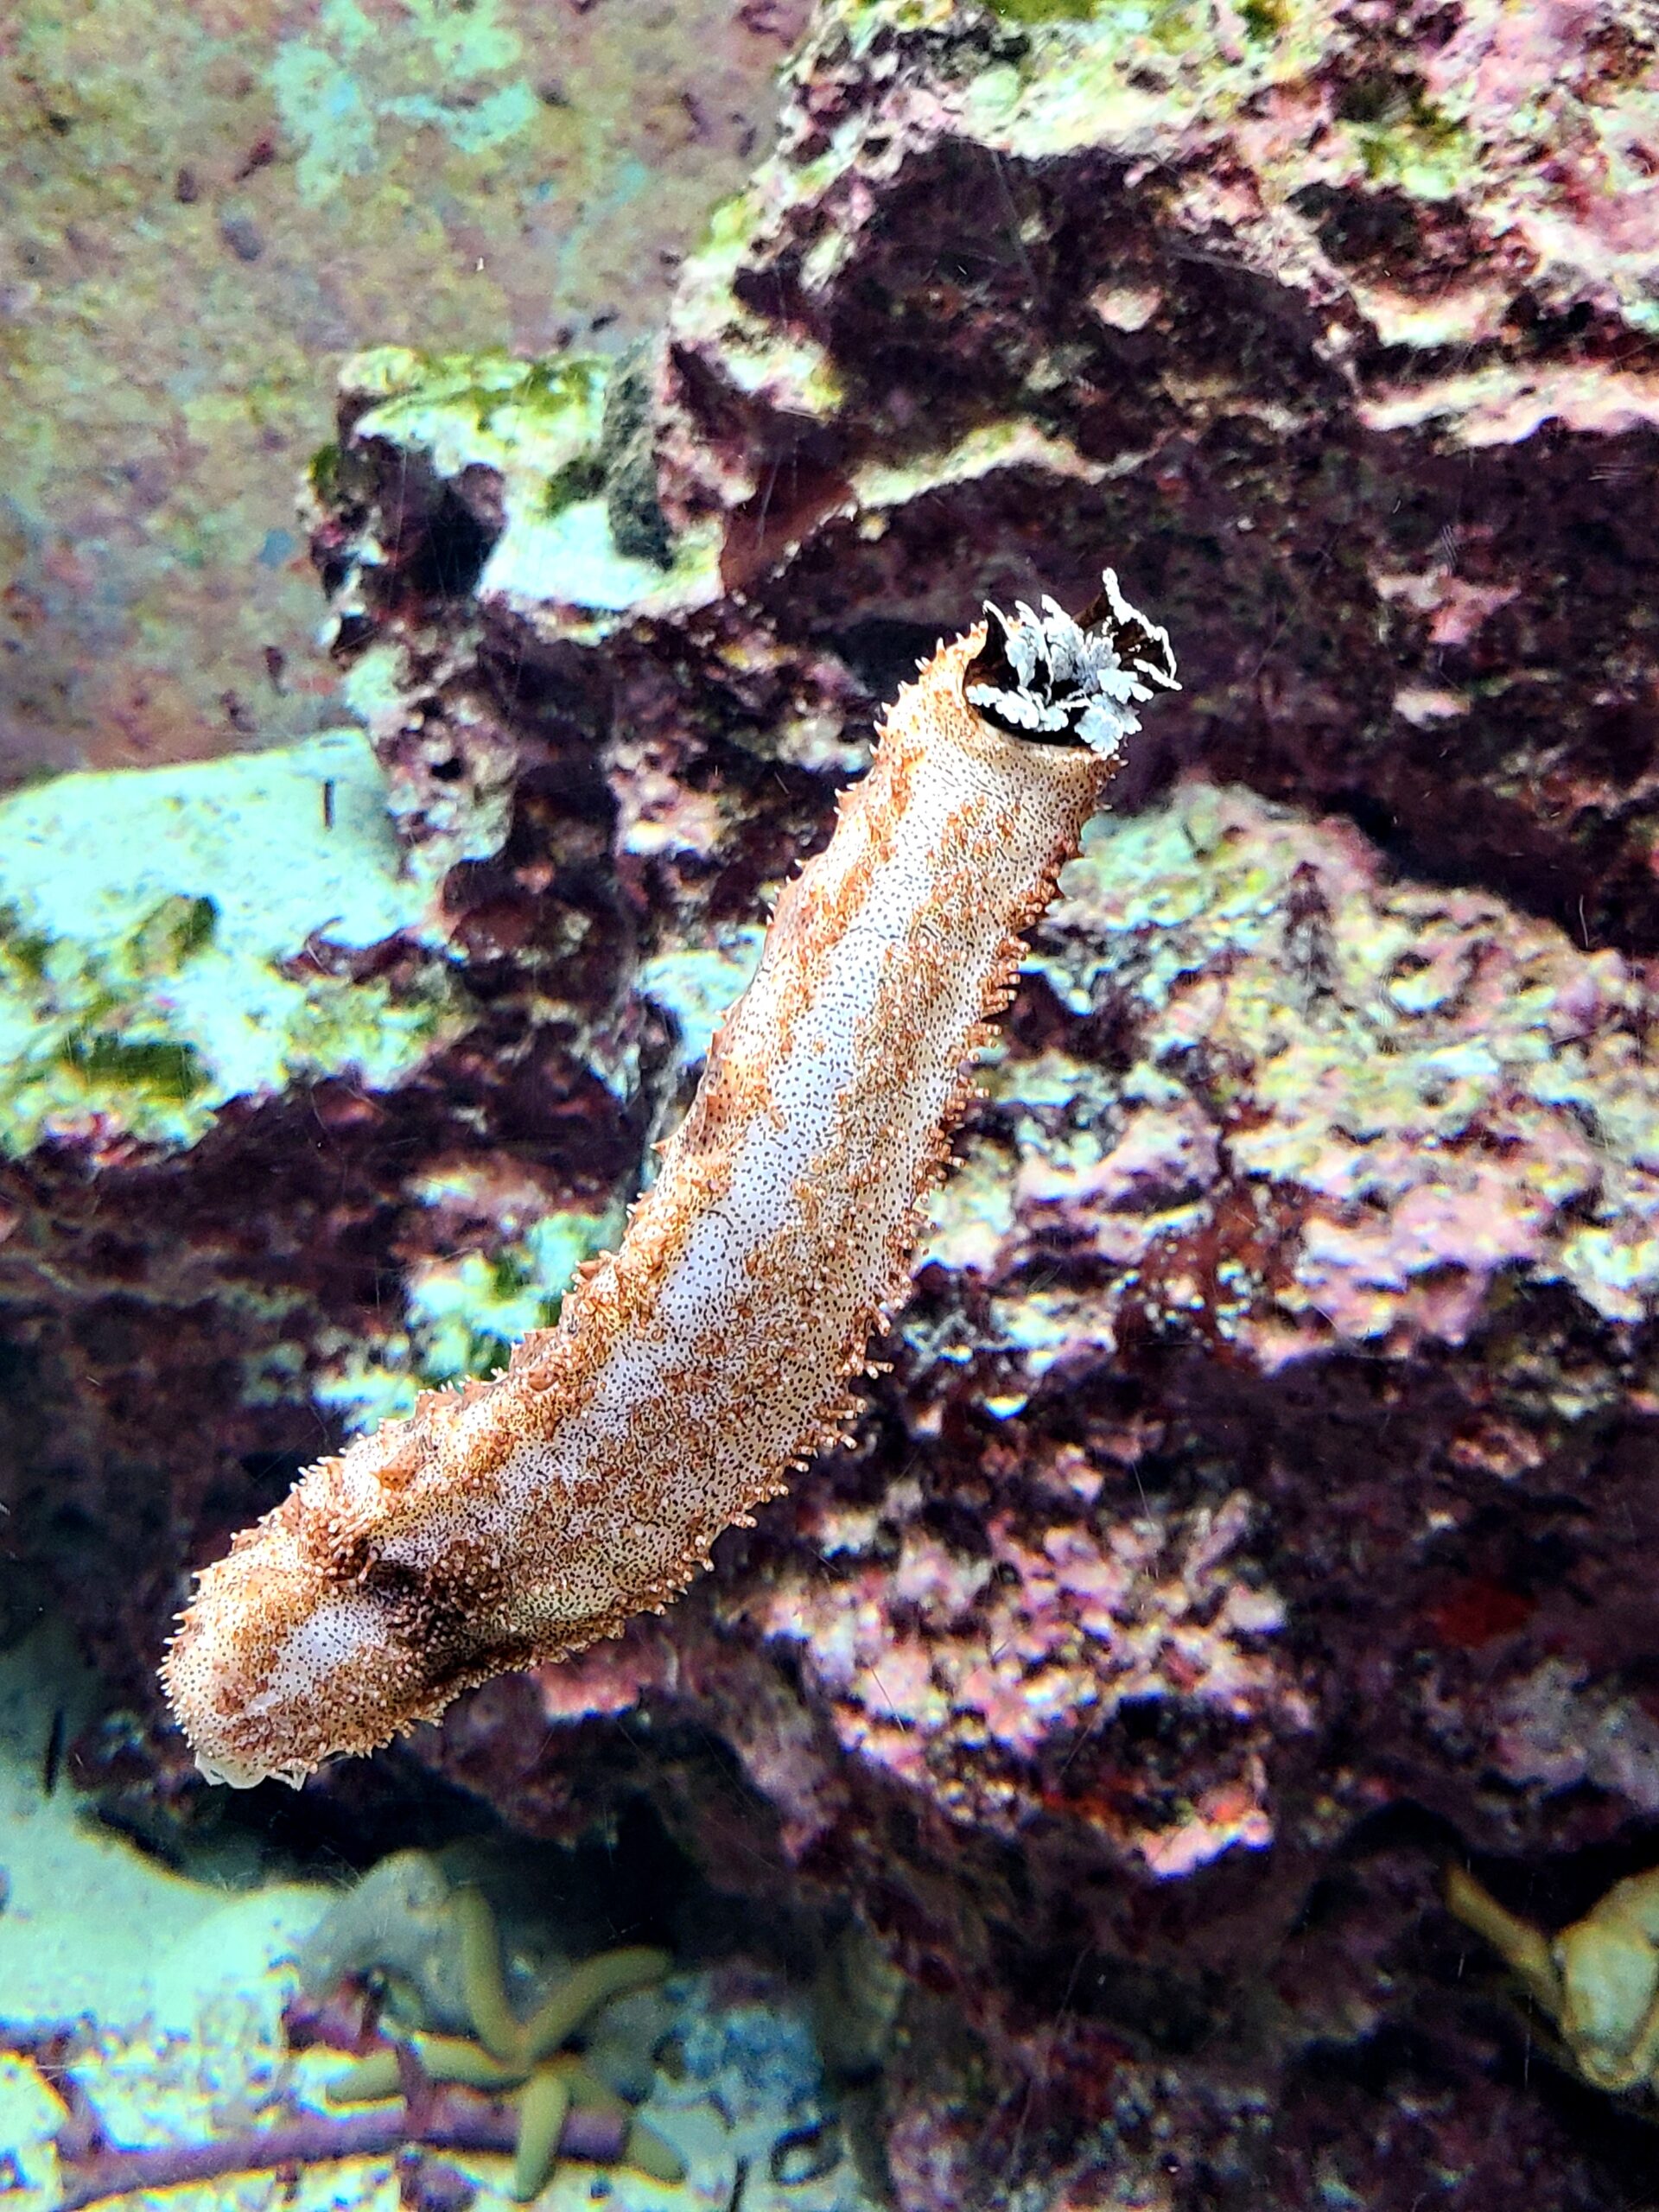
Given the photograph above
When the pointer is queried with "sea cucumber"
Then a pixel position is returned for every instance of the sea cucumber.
(515, 1520)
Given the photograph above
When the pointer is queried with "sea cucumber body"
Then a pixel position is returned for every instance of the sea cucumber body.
(520, 1519)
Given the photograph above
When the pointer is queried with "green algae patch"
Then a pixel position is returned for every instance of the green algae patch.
(1046, 11)
(540, 427)
(487, 407)
(463, 1314)
(1262, 19)
(323, 473)
(1410, 144)
(154, 927)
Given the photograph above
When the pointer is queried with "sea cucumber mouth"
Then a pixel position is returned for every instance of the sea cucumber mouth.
(1051, 680)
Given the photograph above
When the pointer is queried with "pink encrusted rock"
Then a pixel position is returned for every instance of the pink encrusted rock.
(985, 1698)
(1377, 1102)
(1348, 319)
(1161, 1158)
(1261, 1507)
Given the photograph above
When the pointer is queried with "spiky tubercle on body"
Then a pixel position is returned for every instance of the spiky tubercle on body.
(521, 1519)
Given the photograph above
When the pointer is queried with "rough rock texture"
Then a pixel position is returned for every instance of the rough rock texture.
(1261, 1507)
(204, 208)
(1345, 318)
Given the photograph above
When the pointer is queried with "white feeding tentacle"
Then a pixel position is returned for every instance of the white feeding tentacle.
(1073, 683)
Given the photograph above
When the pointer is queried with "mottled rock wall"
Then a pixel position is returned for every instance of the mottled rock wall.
(206, 208)
(1261, 1507)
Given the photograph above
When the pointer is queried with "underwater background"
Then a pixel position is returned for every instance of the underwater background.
(473, 471)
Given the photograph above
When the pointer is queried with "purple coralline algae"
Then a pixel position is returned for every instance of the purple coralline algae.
(1258, 1513)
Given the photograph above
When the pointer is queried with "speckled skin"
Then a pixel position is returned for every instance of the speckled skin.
(522, 1519)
